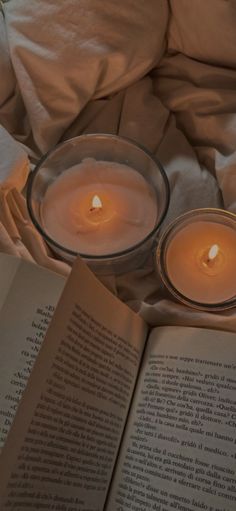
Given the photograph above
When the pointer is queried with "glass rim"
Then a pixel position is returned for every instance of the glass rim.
(161, 266)
(112, 255)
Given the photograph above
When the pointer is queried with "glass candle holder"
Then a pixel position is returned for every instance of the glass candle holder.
(196, 259)
(101, 196)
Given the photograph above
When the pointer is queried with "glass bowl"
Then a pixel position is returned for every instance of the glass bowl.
(196, 259)
(56, 164)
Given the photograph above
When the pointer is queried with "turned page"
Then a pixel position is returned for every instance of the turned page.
(62, 447)
(179, 450)
(28, 295)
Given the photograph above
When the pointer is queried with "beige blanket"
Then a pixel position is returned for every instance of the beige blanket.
(162, 73)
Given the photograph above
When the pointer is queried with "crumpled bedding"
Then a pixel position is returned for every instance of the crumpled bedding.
(162, 73)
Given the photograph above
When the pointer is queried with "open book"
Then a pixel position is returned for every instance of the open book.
(109, 415)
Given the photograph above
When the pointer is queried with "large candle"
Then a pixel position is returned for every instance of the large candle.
(200, 257)
(99, 207)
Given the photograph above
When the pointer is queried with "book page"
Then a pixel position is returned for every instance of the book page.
(8, 268)
(61, 449)
(179, 451)
(28, 295)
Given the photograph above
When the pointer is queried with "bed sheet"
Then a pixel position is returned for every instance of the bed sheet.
(162, 73)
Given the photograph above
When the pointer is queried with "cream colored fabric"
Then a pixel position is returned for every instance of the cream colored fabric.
(65, 53)
(117, 68)
(204, 30)
(17, 234)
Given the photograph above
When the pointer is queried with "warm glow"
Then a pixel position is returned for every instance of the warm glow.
(211, 260)
(96, 202)
(213, 252)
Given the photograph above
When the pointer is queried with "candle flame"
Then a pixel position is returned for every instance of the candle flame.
(213, 252)
(96, 202)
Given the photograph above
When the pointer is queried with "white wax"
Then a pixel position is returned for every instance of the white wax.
(128, 214)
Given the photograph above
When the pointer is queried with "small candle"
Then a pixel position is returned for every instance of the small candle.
(99, 207)
(200, 257)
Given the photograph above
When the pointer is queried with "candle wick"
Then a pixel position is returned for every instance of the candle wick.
(96, 203)
(97, 208)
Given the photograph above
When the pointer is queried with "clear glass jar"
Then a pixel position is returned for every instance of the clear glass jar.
(108, 148)
(196, 259)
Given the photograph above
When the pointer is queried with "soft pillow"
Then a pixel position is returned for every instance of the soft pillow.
(65, 53)
(204, 30)
(6, 72)
(8, 87)
(196, 81)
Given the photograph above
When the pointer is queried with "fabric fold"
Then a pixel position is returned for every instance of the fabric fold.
(163, 78)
